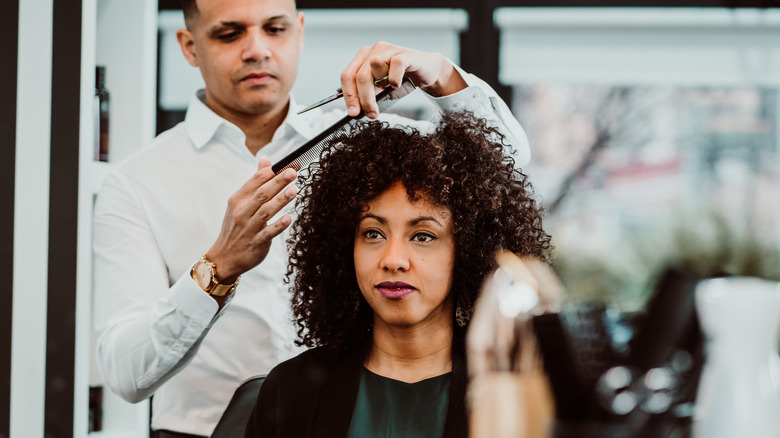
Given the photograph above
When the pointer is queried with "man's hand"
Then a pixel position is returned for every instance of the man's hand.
(430, 71)
(246, 235)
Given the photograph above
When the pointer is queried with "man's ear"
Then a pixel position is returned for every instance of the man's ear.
(300, 31)
(187, 43)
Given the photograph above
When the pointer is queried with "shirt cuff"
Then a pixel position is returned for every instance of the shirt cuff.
(480, 99)
(473, 97)
(188, 298)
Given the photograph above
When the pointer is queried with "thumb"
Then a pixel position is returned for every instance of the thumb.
(263, 162)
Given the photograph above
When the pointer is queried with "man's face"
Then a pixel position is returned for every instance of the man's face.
(247, 51)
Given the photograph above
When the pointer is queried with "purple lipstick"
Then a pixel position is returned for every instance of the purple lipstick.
(395, 290)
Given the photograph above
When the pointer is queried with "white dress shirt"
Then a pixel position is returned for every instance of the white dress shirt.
(156, 214)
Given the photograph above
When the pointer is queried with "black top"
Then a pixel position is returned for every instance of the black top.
(314, 394)
(389, 408)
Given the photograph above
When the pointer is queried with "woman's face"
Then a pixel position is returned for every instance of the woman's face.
(404, 256)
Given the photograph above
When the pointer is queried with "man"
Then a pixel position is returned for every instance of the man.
(174, 320)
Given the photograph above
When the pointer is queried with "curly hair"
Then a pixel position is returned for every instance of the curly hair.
(461, 164)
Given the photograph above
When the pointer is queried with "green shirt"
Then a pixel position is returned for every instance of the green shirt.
(387, 408)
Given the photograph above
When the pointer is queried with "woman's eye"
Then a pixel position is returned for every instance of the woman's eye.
(372, 234)
(423, 237)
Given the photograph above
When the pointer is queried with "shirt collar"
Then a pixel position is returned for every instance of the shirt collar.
(304, 124)
(203, 123)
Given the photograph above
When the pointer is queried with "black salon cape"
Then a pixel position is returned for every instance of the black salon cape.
(313, 395)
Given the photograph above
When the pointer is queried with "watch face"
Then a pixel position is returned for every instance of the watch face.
(202, 275)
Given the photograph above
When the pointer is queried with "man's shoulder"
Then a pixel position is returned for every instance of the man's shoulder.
(169, 145)
(175, 137)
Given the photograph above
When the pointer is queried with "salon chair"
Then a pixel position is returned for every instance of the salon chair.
(233, 422)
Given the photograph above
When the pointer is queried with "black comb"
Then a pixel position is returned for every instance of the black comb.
(310, 151)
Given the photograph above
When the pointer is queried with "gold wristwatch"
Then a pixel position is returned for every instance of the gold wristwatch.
(204, 274)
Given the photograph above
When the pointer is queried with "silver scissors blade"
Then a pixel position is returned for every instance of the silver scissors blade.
(339, 94)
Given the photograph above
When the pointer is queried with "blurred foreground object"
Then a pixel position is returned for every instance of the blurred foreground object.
(625, 376)
(509, 394)
(626, 352)
(739, 394)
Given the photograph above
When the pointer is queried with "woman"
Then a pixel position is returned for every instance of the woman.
(396, 233)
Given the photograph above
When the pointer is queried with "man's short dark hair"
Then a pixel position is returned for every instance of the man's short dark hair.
(190, 9)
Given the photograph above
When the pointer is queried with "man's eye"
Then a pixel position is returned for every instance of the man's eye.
(423, 237)
(228, 36)
(275, 29)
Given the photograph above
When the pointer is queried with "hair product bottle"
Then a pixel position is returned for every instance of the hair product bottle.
(101, 114)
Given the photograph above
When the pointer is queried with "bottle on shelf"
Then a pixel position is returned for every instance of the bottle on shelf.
(95, 409)
(102, 105)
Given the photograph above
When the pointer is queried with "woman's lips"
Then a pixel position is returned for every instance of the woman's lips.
(394, 290)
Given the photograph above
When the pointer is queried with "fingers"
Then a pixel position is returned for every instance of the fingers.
(245, 238)
(268, 190)
(263, 162)
(349, 84)
(262, 176)
(366, 93)
(371, 63)
(270, 198)
(269, 209)
(399, 66)
(272, 230)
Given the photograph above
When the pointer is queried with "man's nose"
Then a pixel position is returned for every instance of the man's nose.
(395, 257)
(256, 48)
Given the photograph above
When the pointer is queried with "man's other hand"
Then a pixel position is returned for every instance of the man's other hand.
(246, 235)
(432, 72)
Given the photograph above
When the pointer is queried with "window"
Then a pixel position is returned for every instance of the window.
(645, 122)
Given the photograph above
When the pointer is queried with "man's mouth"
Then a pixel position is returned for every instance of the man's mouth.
(259, 78)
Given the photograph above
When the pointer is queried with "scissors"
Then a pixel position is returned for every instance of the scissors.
(339, 94)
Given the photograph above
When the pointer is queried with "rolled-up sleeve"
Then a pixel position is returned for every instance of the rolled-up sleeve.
(482, 100)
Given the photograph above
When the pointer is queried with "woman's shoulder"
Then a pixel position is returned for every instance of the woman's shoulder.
(292, 394)
(308, 368)
(318, 356)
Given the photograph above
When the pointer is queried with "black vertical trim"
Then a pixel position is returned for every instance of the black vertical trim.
(9, 34)
(63, 216)
(479, 47)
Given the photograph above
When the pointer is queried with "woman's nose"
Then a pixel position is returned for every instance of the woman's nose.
(395, 257)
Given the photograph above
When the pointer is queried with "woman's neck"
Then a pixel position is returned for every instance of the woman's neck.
(411, 354)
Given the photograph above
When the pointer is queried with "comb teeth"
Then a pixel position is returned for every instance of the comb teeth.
(403, 90)
(310, 151)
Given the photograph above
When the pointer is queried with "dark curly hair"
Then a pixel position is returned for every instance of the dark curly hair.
(461, 165)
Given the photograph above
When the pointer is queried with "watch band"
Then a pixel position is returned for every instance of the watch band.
(220, 290)
(210, 284)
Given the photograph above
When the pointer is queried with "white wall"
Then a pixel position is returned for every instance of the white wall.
(31, 214)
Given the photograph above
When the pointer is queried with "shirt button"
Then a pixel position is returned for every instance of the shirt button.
(459, 105)
(288, 345)
(477, 95)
